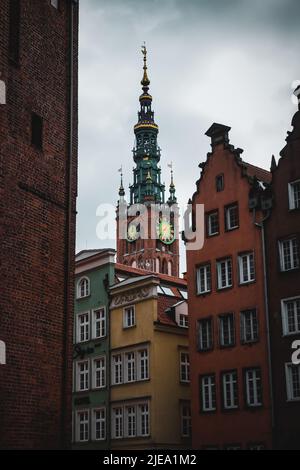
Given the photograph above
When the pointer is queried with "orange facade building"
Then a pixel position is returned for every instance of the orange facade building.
(231, 405)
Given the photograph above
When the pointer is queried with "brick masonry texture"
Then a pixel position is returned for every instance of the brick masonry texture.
(35, 389)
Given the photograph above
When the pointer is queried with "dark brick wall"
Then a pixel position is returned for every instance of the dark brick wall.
(283, 223)
(35, 385)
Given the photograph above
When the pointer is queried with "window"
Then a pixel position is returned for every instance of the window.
(130, 367)
(83, 327)
(82, 426)
(143, 363)
(291, 316)
(130, 414)
(99, 424)
(14, 31)
(167, 291)
(117, 369)
(186, 420)
(99, 323)
(227, 331)
(132, 420)
(183, 321)
(246, 268)
(232, 217)
(292, 382)
(294, 195)
(117, 423)
(205, 334)
(249, 326)
(212, 223)
(99, 372)
(208, 393)
(136, 366)
(253, 387)
(37, 131)
(224, 270)
(54, 3)
(184, 367)
(83, 288)
(203, 279)
(144, 419)
(220, 183)
(230, 390)
(82, 376)
(129, 317)
(289, 254)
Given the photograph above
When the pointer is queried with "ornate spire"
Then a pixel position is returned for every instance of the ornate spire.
(121, 189)
(146, 152)
(145, 81)
(172, 199)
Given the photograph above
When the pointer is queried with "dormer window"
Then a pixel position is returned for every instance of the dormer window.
(83, 288)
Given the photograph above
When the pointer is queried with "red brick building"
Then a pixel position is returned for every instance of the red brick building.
(231, 406)
(283, 260)
(38, 173)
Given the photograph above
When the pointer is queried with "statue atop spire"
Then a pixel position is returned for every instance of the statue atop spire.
(172, 199)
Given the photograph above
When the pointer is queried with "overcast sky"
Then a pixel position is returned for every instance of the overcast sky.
(228, 61)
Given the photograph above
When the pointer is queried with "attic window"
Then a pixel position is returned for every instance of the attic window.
(220, 183)
(167, 291)
(37, 131)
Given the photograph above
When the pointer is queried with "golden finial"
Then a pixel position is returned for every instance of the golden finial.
(145, 82)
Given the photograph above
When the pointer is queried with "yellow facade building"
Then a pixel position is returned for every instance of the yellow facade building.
(150, 393)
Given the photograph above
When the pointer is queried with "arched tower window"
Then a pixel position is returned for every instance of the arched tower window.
(157, 265)
(164, 267)
(170, 268)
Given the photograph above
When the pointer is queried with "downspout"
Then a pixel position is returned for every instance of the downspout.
(261, 225)
(68, 238)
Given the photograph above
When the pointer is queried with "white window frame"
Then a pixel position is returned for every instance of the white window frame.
(79, 325)
(253, 318)
(205, 272)
(140, 356)
(209, 224)
(209, 386)
(284, 315)
(208, 332)
(117, 369)
(250, 261)
(292, 204)
(289, 381)
(114, 417)
(126, 316)
(78, 423)
(87, 292)
(102, 370)
(293, 260)
(183, 320)
(130, 433)
(130, 367)
(184, 372)
(227, 262)
(228, 210)
(256, 380)
(141, 411)
(231, 331)
(230, 379)
(78, 375)
(101, 321)
(102, 421)
(186, 419)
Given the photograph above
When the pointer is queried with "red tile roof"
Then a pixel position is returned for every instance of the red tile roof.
(260, 173)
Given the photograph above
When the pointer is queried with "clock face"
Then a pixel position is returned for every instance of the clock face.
(165, 232)
(132, 233)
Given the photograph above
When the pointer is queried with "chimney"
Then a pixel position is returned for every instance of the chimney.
(219, 134)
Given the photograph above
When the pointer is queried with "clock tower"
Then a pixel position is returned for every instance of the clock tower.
(147, 227)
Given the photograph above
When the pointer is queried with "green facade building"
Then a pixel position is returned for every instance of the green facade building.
(94, 274)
